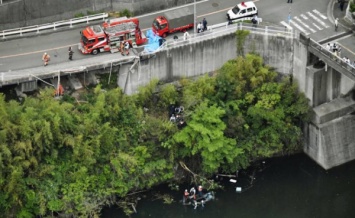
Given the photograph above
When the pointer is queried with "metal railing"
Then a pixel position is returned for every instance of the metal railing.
(222, 29)
(2, 2)
(324, 53)
(53, 26)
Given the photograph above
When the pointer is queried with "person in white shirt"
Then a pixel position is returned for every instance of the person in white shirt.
(327, 47)
(186, 36)
(199, 27)
(336, 24)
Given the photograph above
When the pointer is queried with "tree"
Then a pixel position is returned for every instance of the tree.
(204, 137)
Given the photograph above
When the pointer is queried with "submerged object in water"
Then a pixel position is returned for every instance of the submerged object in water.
(199, 201)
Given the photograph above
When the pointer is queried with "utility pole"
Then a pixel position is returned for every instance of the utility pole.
(194, 16)
(289, 16)
(57, 91)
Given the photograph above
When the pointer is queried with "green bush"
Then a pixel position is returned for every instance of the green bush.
(352, 6)
(126, 13)
(90, 12)
(78, 15)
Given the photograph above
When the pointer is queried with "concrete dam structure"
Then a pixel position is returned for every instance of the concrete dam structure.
(330, 138)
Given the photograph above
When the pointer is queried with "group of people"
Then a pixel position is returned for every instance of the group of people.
(124, 47)
(46, 57)
(193, 196)
(176, 116)
(202, 26)
(336, 50)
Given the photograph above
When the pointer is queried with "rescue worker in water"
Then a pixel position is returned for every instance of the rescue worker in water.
(186, 196)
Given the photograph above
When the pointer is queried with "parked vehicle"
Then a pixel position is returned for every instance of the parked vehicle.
(110, 34)
(173, 21)
(244, 9)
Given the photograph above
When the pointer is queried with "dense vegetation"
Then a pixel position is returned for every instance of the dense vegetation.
(72, 158)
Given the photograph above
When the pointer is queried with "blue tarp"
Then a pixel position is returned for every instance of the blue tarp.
(153, 41)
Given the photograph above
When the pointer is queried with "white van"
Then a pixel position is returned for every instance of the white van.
(244, 9)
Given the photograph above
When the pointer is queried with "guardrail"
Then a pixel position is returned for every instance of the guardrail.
(3, 2)
(54, 26)
(224, 28)
(325, 54)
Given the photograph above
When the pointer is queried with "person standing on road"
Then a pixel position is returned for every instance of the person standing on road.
(327, 47)
(289, 1)
(199, 27)
(186, 36)
(254, 20)
(204, 23)
(126, 46)
(336, 24)
(46, 58)
(70, 52)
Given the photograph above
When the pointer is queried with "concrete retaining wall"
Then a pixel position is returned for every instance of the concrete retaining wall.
(209, 55)
(29, 12)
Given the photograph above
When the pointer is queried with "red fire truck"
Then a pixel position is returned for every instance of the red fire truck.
(110, 34)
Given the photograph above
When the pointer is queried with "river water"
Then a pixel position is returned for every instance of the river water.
(287, 187)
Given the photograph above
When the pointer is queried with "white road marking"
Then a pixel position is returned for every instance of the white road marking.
(319, 14)
(299, 27)
(305, 25)
(286, 25)
(317, 19)
(170, 9)
(319, 28)
(304, 16)
(39, 51)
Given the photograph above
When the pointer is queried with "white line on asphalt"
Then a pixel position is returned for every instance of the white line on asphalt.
(317, 19)
(215, 12)
(286, 25)
(346, 48)
(344, 37)
(305, 25)
(304, 16)
(320, 14)
(319, 28)
(40, 51)
(171, 9)
(299, 27)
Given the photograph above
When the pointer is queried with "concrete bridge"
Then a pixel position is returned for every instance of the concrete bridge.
(329, 136)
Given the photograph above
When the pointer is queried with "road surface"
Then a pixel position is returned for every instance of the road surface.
(310, 17)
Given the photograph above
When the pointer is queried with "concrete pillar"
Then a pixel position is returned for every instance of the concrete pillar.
(346, 85)
(330, 138)
(324, 86)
